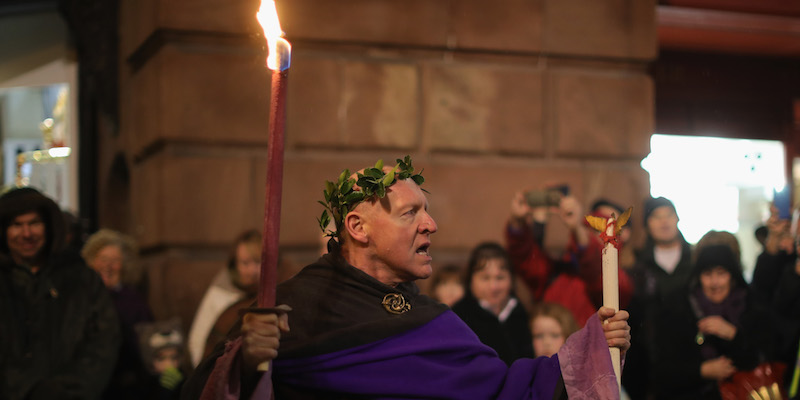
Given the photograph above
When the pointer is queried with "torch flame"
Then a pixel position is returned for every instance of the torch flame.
(278, 47)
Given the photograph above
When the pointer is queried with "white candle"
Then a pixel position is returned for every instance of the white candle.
(611, 287)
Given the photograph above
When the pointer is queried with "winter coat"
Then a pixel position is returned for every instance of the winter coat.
(651, 285)
(575, 281)
(680, 353)
(778, 284)
(59, 335)
(511, 339)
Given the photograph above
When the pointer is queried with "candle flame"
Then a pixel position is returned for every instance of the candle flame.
(267, 16)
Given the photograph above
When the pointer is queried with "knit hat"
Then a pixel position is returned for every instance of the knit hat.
(158, 335)
(652, 204)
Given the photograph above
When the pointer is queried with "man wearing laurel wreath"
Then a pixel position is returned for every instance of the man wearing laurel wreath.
(360, 328)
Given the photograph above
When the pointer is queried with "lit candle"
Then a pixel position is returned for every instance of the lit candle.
(278, 59)
(609, 230)
(611, 286)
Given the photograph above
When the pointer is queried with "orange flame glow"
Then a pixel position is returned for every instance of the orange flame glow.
(267, 16)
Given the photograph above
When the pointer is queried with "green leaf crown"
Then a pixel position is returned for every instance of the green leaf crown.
(341, 196)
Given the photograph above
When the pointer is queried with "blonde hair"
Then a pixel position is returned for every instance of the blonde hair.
(131, 269)
(559, 313)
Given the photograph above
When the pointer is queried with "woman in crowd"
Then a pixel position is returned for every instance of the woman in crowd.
(489, 306)
(115, 258)
(711, 329)
(236, 284)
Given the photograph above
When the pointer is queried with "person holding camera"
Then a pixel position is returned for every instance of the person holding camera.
(574, 278)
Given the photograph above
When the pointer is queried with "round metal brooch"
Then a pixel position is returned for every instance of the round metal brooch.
(395, 303)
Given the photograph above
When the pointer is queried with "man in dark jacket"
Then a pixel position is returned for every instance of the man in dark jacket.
(662, 266)
(59, 334)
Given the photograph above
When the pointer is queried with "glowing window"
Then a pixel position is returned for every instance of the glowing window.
(717, 184)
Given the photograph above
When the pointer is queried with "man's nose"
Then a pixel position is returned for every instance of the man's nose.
(26, 230)
(429, 225)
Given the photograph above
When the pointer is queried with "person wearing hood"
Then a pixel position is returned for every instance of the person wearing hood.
(663, 265)
(710, 329)
(60, 332)
(489, 306)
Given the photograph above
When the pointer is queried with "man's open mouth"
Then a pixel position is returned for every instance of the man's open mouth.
(423, 249)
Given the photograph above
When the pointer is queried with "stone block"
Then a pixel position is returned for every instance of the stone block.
(511, 25)
(312, 112)
(191, 94)
(361, 104)
(380, 105)
(602, 115)
(193, 199)
(411, 22)
(208, 198)
(223, 18)
(229, 16)
(478, 108)
(213, 95)
(604, 28)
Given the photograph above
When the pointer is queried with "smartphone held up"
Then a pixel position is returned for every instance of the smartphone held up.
(548, 197)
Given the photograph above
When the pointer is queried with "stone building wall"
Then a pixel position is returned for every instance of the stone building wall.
(488, 97)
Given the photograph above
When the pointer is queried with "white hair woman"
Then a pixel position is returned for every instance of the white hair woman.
(115, 258)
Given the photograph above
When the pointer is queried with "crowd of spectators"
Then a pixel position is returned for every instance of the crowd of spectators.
(76, 320)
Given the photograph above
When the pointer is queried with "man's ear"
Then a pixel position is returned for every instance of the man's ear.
(355, 227)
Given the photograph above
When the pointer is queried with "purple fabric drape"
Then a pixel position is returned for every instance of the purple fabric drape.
(586, 364)
(442, 359)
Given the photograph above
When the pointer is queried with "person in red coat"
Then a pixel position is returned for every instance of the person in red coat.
(574, 279)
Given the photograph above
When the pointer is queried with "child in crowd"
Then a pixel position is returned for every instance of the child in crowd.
(489, 306)
(447, 285)
(551, 325)
(163, 351)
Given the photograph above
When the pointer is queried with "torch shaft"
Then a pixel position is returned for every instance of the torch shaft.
(274, 185)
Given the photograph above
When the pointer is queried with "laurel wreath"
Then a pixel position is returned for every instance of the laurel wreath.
(347, 192)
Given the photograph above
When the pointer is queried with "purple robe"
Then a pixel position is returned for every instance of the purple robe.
(441, 359)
